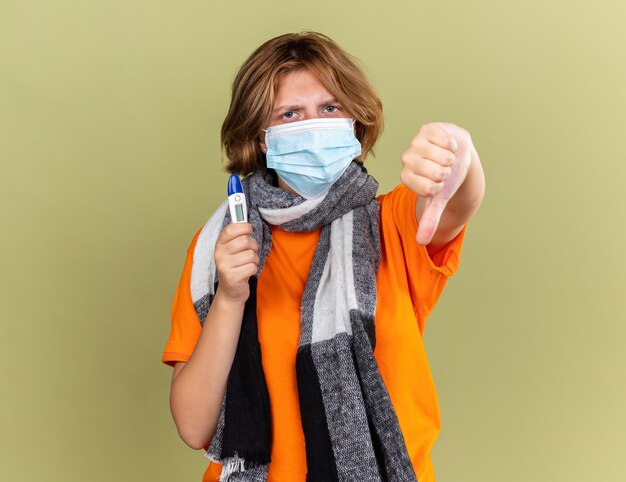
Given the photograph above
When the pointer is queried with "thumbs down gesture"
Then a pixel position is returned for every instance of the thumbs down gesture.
(436, 167)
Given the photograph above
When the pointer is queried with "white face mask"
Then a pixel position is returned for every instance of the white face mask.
(310, 155)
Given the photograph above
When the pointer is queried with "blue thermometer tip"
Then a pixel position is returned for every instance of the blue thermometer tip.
(234, 184)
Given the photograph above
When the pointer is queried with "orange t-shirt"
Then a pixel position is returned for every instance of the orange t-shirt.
(409, 283)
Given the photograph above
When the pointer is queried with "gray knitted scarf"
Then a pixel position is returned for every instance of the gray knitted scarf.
(350, 427)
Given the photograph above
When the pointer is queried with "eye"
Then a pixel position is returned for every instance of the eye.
(288, 115)
(331, 109)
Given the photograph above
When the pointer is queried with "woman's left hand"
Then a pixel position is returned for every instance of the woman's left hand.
(434, 167)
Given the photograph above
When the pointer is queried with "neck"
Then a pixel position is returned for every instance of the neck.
(283, 185)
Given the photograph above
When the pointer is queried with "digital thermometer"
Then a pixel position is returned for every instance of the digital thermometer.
(237, 200)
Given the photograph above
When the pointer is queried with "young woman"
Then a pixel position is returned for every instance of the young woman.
(296, 338)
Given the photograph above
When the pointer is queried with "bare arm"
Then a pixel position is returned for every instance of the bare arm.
(198, 386)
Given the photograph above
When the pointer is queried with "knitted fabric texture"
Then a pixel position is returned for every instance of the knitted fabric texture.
(350, 427)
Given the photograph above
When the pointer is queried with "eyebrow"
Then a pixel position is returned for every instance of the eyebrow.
(288, 107)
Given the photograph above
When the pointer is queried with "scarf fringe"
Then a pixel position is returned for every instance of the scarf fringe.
(235, 464)
(231, 466)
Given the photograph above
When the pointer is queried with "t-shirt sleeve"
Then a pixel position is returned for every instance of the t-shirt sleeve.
(425, 276)
(186, 327)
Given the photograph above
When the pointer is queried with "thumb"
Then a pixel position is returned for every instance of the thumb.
(429, 221)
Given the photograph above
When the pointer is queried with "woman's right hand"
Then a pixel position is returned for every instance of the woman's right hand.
(236, 259)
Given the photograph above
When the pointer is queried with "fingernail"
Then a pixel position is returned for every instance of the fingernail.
(453, 144)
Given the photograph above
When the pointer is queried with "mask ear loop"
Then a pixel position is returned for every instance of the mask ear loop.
(263, 150)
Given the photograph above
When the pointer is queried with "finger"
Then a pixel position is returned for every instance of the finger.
(243, 258)
(420, 185)
(438, 154)
(423, 148)
(240, 273)
(239, 244)
(427, 168)
(234, 230)
(428, 223)
(438, 135)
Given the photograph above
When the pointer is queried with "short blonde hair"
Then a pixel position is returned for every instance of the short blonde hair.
(256, 83)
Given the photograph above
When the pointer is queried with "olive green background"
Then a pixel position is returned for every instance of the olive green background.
(109, 147)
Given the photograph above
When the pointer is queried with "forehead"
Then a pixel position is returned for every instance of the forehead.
(300, 87)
